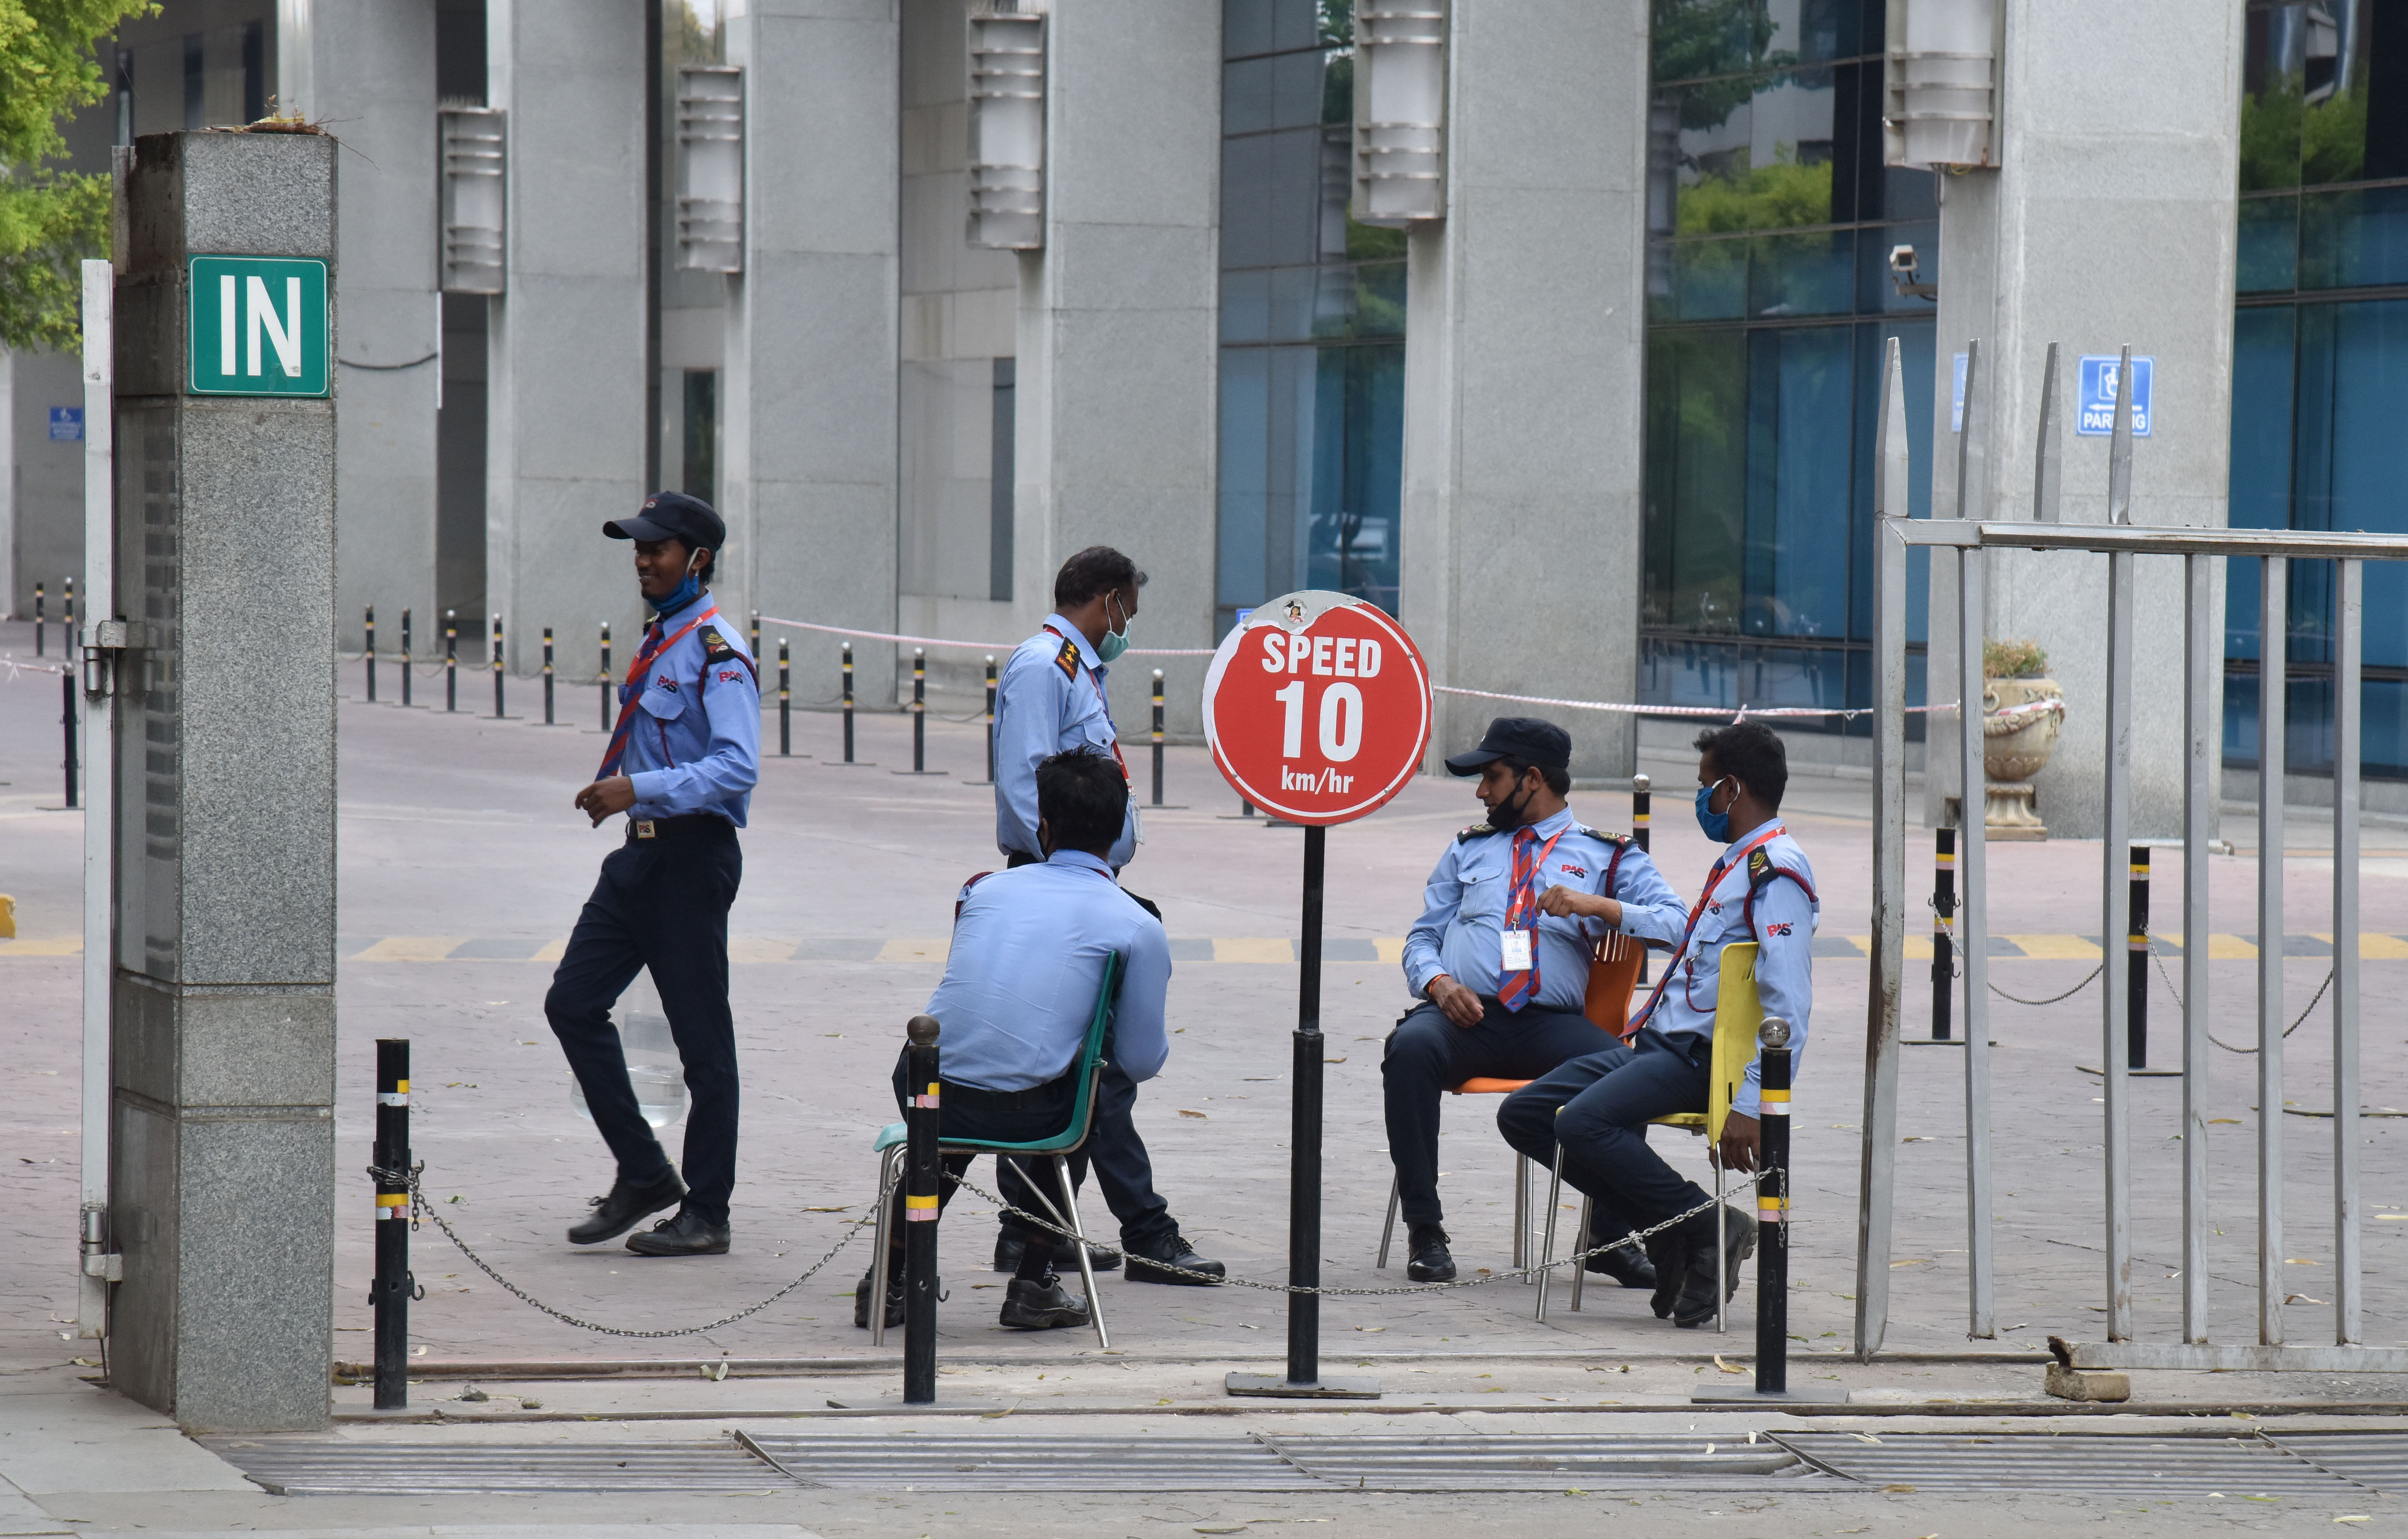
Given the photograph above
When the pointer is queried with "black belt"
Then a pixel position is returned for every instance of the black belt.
(685, 826)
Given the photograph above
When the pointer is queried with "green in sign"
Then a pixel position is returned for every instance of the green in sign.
(259, 326)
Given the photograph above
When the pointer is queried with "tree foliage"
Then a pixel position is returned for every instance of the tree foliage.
(51, 218)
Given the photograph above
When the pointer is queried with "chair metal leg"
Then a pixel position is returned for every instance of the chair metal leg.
(1087, 1263)
(888, 1163)
(1521, 1211)
(1547, 1256)
(1722, 1251)
(1580, 1271)
(1388, 1230)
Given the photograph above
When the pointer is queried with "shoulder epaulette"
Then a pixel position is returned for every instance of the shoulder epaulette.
(1067, 659)
(1600, 833)
(714, 646)
(1476, 831)
(1759, 868)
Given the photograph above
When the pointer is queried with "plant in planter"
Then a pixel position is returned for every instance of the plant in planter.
(2022, 712)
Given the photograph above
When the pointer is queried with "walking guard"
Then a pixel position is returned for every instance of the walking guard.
(1020, 984)
(682, 764)
(1500, 957)
(1759, 888)
(1052, 699)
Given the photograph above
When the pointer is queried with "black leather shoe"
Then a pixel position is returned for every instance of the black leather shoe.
(686, 1233)
(1626, 1264)
(1428, 1260)
(894, 1298)
(1172, 1249)
(1669, 1254)
(625, 1207)
(1032, 1304)
(1008, 1248)
(1698, 1301)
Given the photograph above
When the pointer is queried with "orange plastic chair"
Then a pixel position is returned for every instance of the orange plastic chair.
(1613, 968)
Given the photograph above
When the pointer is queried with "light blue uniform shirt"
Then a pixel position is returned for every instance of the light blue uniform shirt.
(1461, 929)
(1786, 912)
(694, 744)
(1050, 699)
(1027, 963)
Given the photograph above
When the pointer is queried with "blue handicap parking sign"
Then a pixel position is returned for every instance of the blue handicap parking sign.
(2093, 413)
(66, 425)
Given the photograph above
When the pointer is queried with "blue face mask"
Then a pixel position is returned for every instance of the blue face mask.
(685, 594)
(1716, 824)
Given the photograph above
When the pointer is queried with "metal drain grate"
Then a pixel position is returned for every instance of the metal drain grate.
(2077, 1463)
(942, 1461)
(1397, 1462)
(337, 1467)
(2374, 1460)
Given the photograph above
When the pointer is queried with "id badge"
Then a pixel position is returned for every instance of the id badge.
(1517, 957)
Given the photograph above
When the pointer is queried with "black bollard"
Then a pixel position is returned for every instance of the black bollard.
(66, 622)
(498, 667)
(922, 1168)
(2136, 981)
(404, 659)
(785, 701)
(848, 701)
(1772, 1212)
(606, 677)
(371, 652)
(1157, 737)
(451, 661)
(42, 625)
(919, 711)
(1943, 933)
(547, 676)
(67, 712)
(756, 636)
(990, 719)
(1642, 814)
(390, 1292)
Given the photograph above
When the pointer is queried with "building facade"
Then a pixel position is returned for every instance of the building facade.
(1595, 416)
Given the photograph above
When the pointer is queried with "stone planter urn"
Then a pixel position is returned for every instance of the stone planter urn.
(2020, 720)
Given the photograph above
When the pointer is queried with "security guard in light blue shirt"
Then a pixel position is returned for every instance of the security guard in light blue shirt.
(1595, 1108)
(1501, 954)
(682, 764)
(1052, 700)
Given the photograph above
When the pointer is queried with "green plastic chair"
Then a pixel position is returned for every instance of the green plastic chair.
(892, 1139)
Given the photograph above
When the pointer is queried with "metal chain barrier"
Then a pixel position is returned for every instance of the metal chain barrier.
(2053, 998)
(418, 1205)
(1636, 1237)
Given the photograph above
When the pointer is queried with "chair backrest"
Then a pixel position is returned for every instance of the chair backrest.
(1739, 1013)
(1613, 965)
(1091, 1052)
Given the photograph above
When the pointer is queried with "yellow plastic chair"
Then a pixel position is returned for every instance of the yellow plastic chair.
(1739, 1013)
(1612, 978)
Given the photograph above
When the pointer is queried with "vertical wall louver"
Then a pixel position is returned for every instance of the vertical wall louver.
(1941, 105)
(1007, 130)
(475, 162)
(1400, 111)
(711, 168)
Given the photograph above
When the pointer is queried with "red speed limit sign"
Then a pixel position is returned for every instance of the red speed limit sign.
(1317, 707)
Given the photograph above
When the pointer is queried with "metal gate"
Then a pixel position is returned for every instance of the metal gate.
(2123, 543)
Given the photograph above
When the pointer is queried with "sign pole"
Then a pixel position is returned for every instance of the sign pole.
(1304, 1142)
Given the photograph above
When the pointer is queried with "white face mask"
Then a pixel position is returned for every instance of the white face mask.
(1114, 642)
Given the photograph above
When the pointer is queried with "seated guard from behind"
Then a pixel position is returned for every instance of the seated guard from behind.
(1501, 955)
(1760, 889)
(1028, 961)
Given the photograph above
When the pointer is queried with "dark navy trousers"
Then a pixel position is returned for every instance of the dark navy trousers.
(1599, 1106)
(1428, 1052)
(661, 902)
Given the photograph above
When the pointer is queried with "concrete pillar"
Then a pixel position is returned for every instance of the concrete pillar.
(1523, 434)
(373, 68)
(2111, 219)
(224, 997)
(1118, 362)
(566, 415)
(808, 419)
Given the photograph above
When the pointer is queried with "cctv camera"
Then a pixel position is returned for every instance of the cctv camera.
(1902, 260)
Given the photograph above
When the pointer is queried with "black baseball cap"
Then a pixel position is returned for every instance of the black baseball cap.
(672, 516)
(1522, 738)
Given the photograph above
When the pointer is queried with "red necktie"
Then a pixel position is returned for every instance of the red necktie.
(1518, 987)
